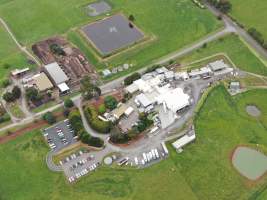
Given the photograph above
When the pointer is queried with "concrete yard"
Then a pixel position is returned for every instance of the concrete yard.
(111, 34)
(98, 8)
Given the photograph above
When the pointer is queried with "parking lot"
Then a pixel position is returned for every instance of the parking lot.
(82, 163)
(60, 135)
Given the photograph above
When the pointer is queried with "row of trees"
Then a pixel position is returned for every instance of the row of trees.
(130, 79)
(100, 126)
(224, 6)
(77, 125)
(13, 95)
(258, 37)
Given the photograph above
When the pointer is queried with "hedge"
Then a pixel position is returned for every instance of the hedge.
(93, 120)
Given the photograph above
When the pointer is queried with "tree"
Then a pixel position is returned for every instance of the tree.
(49, 117)
(131, 18)
(130, 79)
(110, 102)
(16, 91)
(224, 6)
(68, 103)
(56, 49)
(88, 89)
(32, 94)
(8, 97)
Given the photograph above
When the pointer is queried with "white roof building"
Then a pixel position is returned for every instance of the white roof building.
(56, 73)
(175, 99)
(63, 87)
(181, 142)
(143, 100)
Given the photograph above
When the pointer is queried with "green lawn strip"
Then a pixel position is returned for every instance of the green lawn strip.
(235, 49)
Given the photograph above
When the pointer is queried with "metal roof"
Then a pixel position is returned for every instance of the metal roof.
(56, 73)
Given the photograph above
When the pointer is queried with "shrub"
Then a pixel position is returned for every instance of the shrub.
(77, 125)
(97, 124)
(130, 79)
(49, 117)
(68, 103)
(101, 109)
(5, 83)
(110, 102)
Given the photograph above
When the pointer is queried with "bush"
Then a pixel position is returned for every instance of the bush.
(130, 79)
(68, 103)
(77, 125)
(110, 102)
(256, 35)
(16, 91)
(49, 117)
(6, 83)
(101, 109)
(153, 68)
(8, 97)
(97, 124)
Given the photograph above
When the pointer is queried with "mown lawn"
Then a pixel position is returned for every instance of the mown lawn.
(233, 47)
(251, 13)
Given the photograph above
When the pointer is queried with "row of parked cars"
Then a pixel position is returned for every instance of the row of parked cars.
(83, 172)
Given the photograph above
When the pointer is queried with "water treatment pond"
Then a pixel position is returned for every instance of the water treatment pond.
(249, 162)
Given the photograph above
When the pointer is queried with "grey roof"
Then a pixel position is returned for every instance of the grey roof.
(56, 73)
(217, 65)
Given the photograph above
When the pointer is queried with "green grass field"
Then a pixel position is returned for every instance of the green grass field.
(250, 13)
(235, 49)
(173, 25)
(10, 56)
(202, 171)
(25, 176)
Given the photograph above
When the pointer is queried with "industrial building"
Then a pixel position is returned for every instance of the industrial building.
(57, 76)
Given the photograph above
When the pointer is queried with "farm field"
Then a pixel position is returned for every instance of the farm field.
(250, 13)
(181, 24)
(221, 125)
(235, 49)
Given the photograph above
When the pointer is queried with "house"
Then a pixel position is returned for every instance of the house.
(119, 111)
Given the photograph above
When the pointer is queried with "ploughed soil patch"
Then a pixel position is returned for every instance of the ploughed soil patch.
(253, 110)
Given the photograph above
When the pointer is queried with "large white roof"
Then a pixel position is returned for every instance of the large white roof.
(183, 141)
(175, 99)
(56, 73)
